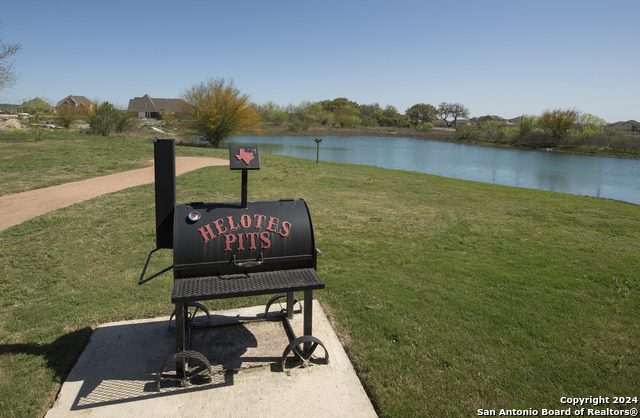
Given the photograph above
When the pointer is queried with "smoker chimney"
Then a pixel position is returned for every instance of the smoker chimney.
(164, 154)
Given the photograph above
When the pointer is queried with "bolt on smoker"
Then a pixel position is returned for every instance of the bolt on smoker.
(234, 249)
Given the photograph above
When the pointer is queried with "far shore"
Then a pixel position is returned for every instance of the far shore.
(435, 134)
(444, 134)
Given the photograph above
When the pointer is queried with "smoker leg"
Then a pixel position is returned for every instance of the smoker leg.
(290, 302)
(303, 347)
(308, 317)
(191, 315)
(181, 334)
(290, 306)
(189, 364)
(308, 311)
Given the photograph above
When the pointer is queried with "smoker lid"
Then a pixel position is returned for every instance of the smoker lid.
(225, 238)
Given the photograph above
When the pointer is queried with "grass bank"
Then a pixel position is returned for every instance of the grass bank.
(63, 156)
(449, 296)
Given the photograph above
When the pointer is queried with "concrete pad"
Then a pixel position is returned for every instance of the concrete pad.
(117, 373)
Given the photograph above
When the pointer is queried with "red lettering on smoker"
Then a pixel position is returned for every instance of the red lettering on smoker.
(228, 240)
(272, 224)
(284, 229)
(252, 236)
(245, 240)
(207, 233)
(218, 223)
(266, 242)
(232, 226)
(259, 219)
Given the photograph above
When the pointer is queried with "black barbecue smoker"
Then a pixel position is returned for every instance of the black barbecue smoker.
(234, 249)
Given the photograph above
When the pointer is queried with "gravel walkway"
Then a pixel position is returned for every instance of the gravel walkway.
(19, 207)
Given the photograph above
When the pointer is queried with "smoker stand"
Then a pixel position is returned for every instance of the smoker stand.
(191, 364)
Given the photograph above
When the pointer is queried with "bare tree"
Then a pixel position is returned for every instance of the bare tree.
(7, 74)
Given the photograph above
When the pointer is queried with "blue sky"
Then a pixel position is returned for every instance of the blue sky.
(495, 57)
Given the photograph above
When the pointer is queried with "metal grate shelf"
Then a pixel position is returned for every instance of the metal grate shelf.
(248, 284)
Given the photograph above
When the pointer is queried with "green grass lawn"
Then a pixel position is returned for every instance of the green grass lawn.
(64, 156)
(449, 296)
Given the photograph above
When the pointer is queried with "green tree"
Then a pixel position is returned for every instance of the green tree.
(272, 113)
(421, 113)
(8, 76)
(588, 125)
(526, 125)
(217, 109)
(104, 119)
(389, 116)
(338, 103)
(39, 112)
(557, 124)
(368, 114)
(452, 111)
(346, 117)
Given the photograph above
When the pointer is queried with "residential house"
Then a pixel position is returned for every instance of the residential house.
(75, 103)
(148, 107)
(33, 106)
(630, 126)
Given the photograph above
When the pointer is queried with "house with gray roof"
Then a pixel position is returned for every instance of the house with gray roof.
(149, 107)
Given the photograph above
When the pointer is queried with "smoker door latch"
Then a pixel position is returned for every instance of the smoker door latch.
(249, 263)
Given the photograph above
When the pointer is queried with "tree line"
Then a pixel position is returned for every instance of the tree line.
(558, 128)
(216, 108)
(344, 113)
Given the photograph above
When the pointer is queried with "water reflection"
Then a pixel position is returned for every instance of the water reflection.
(598, 176)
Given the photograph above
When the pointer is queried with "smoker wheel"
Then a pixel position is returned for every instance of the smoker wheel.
(303, 349)
(282, 305)
(192, 315)
(198, 369)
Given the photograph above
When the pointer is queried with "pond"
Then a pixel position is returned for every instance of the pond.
(587, 175)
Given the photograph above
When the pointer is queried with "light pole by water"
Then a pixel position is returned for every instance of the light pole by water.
(318, 141)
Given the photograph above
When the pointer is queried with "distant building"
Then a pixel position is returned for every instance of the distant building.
(494, 118)
(148, 107)
(630, 126)
(36, 105)
(75, 103)
(35, 102)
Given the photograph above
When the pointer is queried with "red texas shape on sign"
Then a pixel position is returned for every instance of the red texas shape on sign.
(245, 156)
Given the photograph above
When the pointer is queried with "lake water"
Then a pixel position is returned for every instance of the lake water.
(588, 175)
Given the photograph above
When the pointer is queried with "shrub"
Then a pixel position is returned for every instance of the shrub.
(557, 123)
(126, 120)
(104, 118)
(425, 127)
(465, 132)
(67, 115)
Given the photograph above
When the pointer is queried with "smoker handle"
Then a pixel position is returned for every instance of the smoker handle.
(247, 264)
(144, 270)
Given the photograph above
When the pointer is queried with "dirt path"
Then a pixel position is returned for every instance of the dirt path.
(19, 207)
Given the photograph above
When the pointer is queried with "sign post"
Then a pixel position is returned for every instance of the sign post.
(318, 141)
